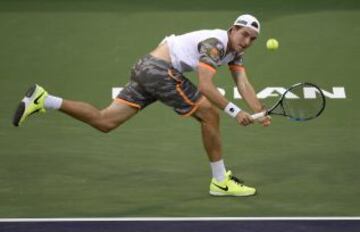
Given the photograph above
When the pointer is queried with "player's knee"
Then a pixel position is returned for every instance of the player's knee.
(106, 127)
(213, 114)
(207, 113)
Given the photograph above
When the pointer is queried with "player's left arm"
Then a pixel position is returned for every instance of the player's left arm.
(247, 91)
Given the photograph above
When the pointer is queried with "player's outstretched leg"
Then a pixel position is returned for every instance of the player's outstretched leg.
(38, 100)
(33, 102)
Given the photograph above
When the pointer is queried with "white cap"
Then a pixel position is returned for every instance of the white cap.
(247, 20)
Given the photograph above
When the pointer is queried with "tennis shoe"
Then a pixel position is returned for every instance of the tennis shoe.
(231, 186)
(33, 102)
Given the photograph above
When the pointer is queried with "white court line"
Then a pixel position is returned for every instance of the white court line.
(130, 219)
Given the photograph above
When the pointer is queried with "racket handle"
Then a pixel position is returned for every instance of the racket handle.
(258, 115)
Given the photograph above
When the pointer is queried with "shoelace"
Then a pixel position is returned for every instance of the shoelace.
(237, 180)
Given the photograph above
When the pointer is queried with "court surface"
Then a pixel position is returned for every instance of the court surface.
(154, 165)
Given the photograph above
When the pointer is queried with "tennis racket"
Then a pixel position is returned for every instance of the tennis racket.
(293, 104)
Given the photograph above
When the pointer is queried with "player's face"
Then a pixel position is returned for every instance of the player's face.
(241, 38)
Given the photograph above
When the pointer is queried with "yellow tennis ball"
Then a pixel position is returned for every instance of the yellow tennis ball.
(272, 44)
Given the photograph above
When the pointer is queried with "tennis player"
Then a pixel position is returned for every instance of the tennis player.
(160, 76)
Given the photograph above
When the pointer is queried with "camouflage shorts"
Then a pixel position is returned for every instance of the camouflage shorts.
(153, 79)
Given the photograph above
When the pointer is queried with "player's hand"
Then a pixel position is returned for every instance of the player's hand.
(244, 118)
(265, 121)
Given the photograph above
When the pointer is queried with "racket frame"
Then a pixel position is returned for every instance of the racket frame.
(262, 114)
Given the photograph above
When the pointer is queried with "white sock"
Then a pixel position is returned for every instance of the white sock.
(218, 170)
(53, 102)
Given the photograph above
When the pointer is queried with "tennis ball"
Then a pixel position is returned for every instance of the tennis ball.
(272, 44)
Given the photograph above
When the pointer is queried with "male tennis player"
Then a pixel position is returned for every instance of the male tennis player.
(159, 76)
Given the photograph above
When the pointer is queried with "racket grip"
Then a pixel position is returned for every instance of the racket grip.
(258, 115)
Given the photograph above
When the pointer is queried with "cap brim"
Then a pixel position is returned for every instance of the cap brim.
(242, 25)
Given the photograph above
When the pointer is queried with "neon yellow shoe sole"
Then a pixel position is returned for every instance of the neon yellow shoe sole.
(33, 102)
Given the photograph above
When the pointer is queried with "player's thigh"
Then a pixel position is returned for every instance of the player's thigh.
(178, 92)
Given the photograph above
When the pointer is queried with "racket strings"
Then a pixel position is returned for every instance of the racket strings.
(298, 106)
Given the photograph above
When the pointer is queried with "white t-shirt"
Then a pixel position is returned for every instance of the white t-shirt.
(207, 46)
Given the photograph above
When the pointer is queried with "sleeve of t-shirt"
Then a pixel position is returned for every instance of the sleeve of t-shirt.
(211, 51)
(238, 60)
(237, 64)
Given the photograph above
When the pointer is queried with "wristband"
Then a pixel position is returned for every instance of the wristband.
(232, 110)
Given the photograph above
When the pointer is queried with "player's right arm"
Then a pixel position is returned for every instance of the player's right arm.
(207, 87)
(210, 53)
